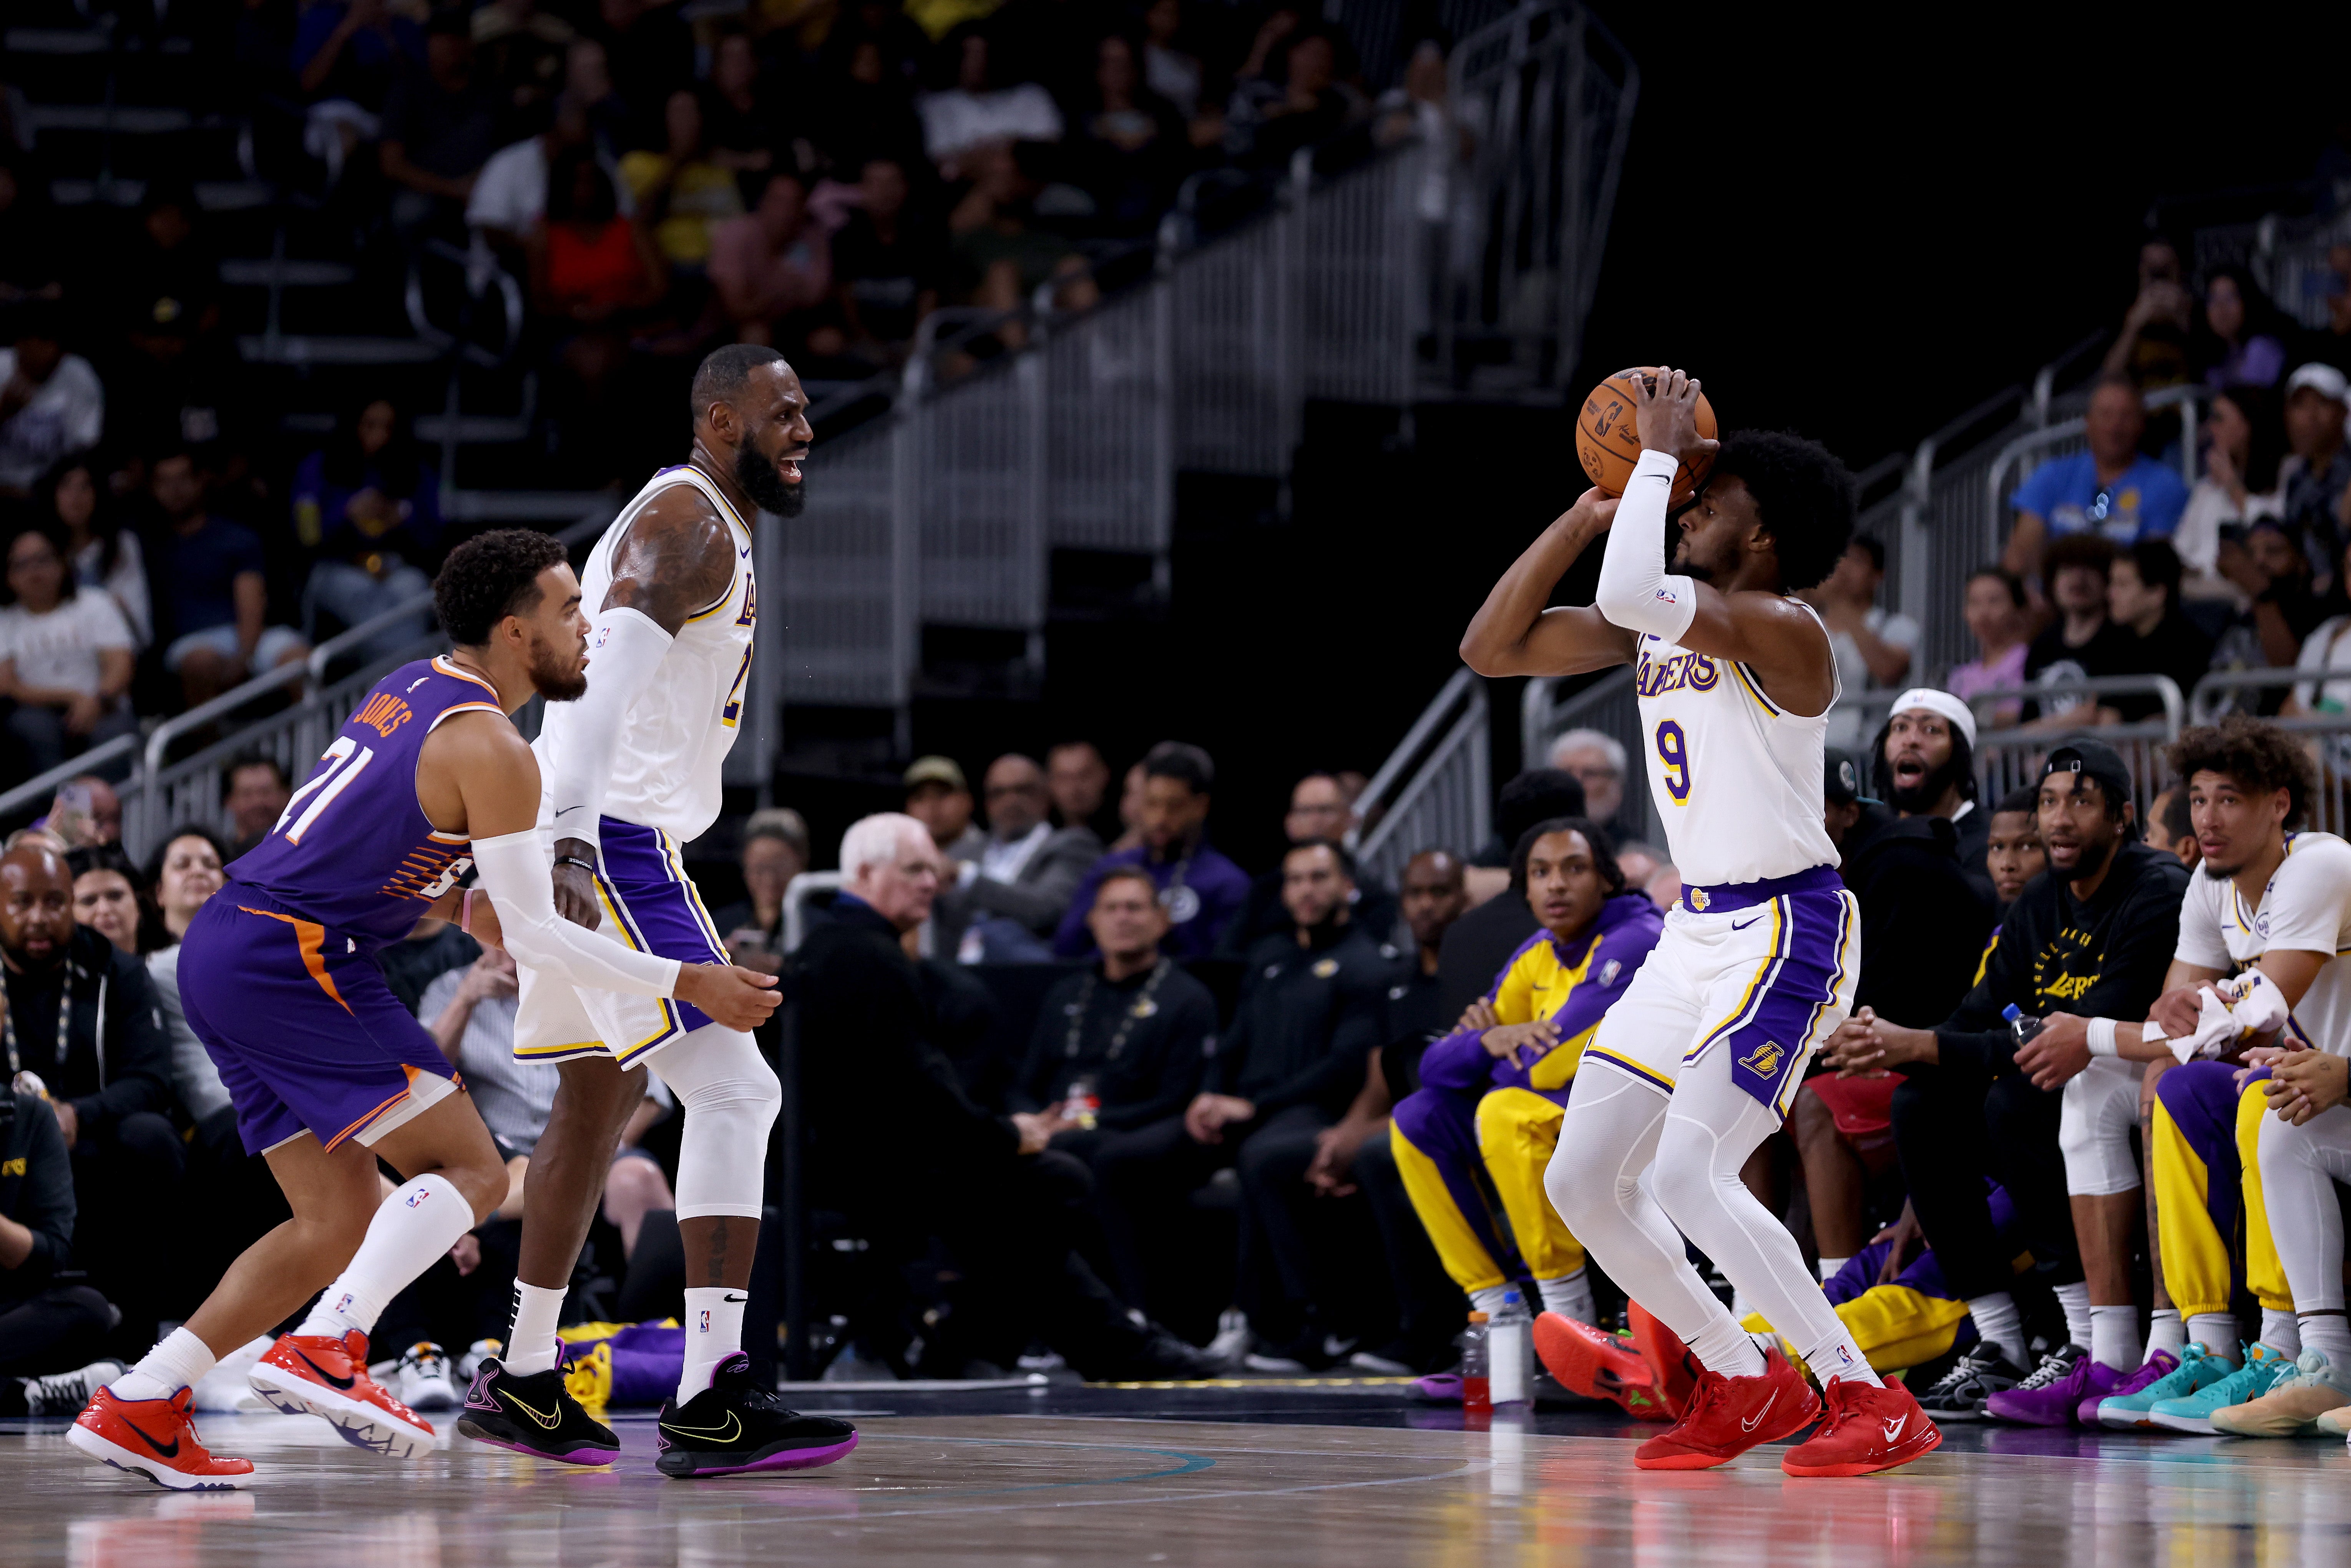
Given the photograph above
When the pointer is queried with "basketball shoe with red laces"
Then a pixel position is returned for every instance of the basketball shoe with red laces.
(328, 1377)
(1867, 1429)
(155, 1439)
(1597, 1364)
(1728, 1416)
(1672, 1370)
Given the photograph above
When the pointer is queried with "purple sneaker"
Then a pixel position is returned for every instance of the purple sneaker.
(2050, 1396)
(2160, 1366)
(1438, 1389)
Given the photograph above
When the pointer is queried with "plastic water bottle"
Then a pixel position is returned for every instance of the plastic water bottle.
(1510, 1350)
(1082, 1105)
(1477, 1391)
(2020, 1027)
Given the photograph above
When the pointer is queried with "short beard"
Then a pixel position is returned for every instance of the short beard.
(1928, 793)
(2219, 872)
(2092, 858)
(768, 490)
(550, 679)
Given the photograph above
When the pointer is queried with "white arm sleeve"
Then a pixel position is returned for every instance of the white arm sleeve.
(624, 649)
(1635, 592)
(514, 874)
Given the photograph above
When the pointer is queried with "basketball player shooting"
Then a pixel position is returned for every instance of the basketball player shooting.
(633, 773)
(328, 1071)
(1698, 1062)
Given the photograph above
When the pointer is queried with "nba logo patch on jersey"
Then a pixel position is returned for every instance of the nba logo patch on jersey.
(1608, 973)
(1764, 1060)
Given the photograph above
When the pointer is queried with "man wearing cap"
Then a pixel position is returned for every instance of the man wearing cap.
(2091, 939)
(1924, 765)
(2316, 472)
(938, 797)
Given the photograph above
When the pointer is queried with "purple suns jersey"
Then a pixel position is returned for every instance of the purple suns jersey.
(353, 850)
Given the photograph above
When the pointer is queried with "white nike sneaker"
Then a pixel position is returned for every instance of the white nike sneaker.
(1234, 1339)
(469, 1365)
(65, 1393)
(423, 1378)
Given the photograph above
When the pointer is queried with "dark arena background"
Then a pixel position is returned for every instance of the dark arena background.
(1182, 375)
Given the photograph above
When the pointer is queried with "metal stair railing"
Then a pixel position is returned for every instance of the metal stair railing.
(1434, 791)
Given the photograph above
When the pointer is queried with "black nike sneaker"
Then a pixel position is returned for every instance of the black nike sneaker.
(734, 1427)
(534, 1415)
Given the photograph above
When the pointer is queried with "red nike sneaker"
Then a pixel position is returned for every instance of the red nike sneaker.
(1867, 1429)
(1597, 1364)
(155, 1439)
(1728, 1416)
(321, 1376)
(1672, 1370)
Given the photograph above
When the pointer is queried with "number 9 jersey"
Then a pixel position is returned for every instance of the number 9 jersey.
(353, 851)
(1736, 775)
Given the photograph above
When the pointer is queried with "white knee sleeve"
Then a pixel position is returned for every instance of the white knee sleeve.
(2300, 1167)
(730, 1097)
(2097, 1110)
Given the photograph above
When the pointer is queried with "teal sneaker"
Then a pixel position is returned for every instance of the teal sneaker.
(2193, 1412)
(2199, 1368)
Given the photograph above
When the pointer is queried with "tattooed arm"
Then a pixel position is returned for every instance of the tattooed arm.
(677, 559)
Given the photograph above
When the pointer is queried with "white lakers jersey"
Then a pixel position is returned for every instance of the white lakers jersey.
(666, 772)
(1737, 777)
(2305, 908)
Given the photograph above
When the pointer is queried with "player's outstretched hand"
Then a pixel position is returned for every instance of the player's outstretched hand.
(1665, 411)
(732, 995)
(1593, 512)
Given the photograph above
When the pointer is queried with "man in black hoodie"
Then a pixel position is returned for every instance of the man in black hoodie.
(2090, 937)
(897, 1144)
(80, 1016)
(45, 1327)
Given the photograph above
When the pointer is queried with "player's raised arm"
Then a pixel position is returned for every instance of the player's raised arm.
(1514, 633)
(497, 777)
(1730, 600)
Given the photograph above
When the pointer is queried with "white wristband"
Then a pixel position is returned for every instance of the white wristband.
(2102, 1037)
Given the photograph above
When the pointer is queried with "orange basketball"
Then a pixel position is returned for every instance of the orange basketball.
(1609, 445)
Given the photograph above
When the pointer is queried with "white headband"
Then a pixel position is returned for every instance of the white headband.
(1935, 701)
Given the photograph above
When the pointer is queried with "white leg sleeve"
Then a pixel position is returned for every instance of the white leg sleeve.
(2097, 1110)
(1607, 1141)
(1711, 1127)
(2300, 1167)
(730, 1097)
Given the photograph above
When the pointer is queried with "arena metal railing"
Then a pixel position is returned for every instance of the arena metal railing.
(1608, 705)
(161, 794)
(1435, 791)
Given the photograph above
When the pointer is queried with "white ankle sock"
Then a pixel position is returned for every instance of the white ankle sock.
(2217, 1333)
(2330, 1335)
(1830, 1266)
(2074, 1300)
(532, 1344)
(1489, 1300)
(2282, 1332)
(413, 1229)
(713, 1330)
(179, 1360)
(2114, 1337)
(1723, 1346)
(1998, 1324)
(2166, 1332)
(1570, 1295)
(1839, 1356)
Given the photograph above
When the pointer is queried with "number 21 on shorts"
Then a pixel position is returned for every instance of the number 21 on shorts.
(1673, 751)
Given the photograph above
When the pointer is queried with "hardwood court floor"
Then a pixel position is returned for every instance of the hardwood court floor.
(1275, 1487)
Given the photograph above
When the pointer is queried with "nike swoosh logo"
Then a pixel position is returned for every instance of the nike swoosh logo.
(727, 1434)
(325, 1376)
(744, 553)
(160, 1451)
(734, 1299)
(1894, 1428)
(1756, 1420)
(1743, 925)
(550, 1419)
